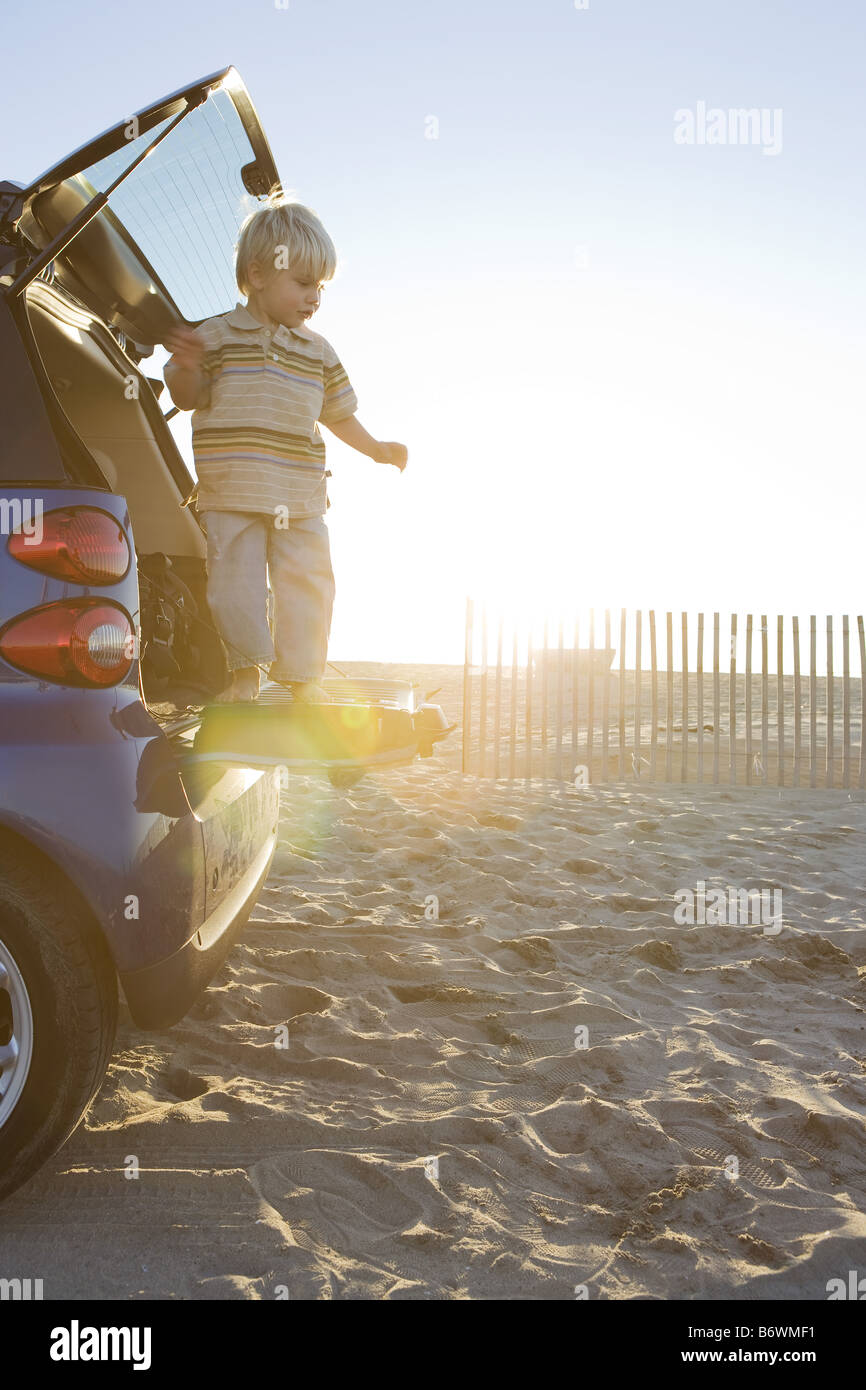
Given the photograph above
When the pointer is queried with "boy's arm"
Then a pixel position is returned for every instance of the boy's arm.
(184, 372)
(352, 432)
(184, 384)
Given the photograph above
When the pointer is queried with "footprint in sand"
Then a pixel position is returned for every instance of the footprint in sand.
(183, 1084)
(535, 950)
(590, 868)
(659, 953)
(279, 1003)
(759, 1251)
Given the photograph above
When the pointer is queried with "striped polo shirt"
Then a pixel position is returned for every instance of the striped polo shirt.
(255, 435)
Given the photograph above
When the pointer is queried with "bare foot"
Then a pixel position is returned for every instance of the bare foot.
(226, 697)
(242, 688)
(247, 683)
(309, 693)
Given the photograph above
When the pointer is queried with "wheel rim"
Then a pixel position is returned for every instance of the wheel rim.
(16, 1034)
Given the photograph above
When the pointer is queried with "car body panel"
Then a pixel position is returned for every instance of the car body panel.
(90, 779)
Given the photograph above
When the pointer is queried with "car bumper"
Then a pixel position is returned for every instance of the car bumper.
(159, 995)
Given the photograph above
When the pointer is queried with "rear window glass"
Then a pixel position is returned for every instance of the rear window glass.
(185, 203)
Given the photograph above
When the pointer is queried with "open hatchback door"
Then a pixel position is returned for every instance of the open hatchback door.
(139, 223)
(99, 257)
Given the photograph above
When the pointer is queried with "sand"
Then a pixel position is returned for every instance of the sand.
(426, 948)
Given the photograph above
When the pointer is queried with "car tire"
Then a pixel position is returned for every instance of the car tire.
(58, 1013)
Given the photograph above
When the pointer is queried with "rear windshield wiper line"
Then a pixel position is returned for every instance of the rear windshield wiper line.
(68, 233)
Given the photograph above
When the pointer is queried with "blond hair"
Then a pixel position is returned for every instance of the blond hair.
(284, 234)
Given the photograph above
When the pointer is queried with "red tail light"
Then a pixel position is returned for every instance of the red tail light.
(79, 642)
(82, 544)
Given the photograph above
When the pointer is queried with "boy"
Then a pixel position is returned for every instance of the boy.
(258, 382)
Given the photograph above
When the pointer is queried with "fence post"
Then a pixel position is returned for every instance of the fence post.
(765, 701)
(717, 702)
(748, 665)
(467, 687)
(732, 703)
(622, 642)
(862, 635)
(544, 707)
(798, 719)
(528, 704)
(654, 695)
(638, 694)
(605, 702)
(780, 699)
(575, 701)
(590, 716)
(831, 706)
(512, 745)
(669, 700)
(813, 702)
(684, 703)
(559, 694)
(846, 706)
(497, 713)
(699, 676)
(482, 719)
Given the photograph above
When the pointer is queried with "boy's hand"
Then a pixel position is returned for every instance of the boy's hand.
(397, 454)
(186, 346)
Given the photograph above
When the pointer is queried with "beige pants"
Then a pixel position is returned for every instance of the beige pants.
(244, 551)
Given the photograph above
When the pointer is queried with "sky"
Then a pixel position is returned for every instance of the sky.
(626, 358)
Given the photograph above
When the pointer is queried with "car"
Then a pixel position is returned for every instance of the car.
(136, 827)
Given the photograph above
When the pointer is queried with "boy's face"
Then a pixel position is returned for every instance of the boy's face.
(289, 297)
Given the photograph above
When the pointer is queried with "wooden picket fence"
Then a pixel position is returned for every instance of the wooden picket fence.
(565, 712)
